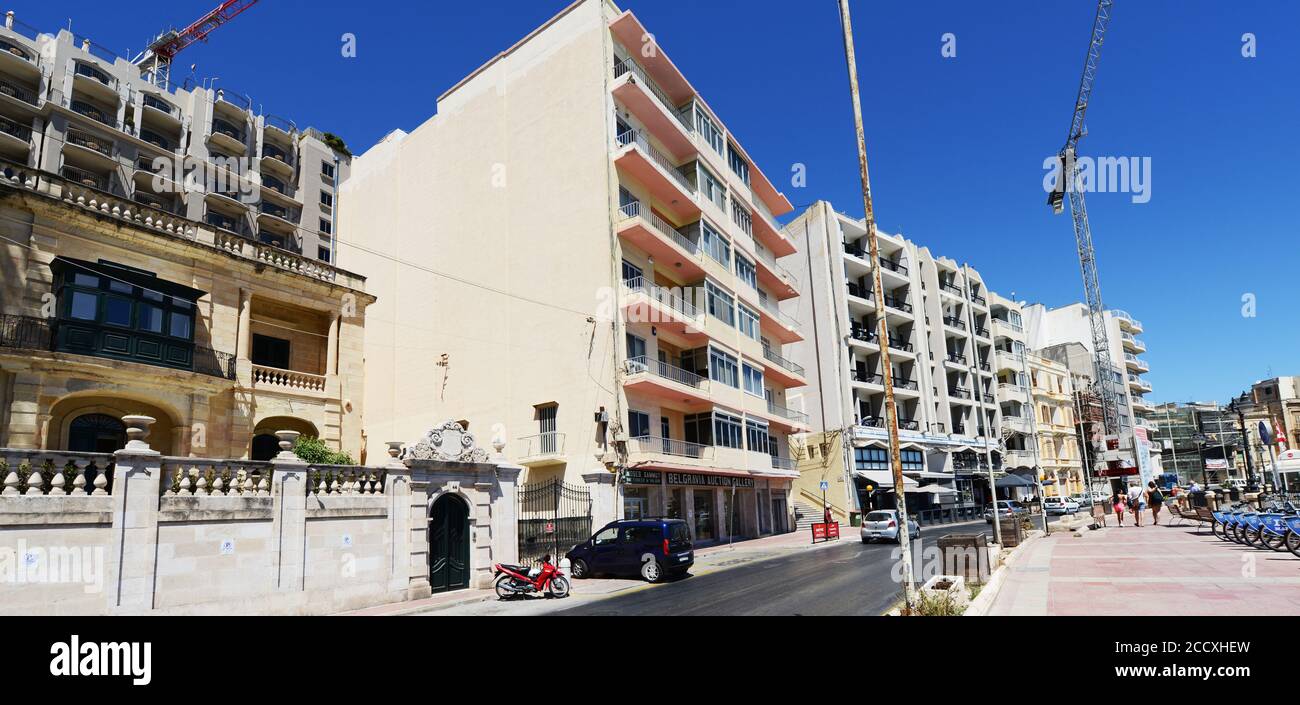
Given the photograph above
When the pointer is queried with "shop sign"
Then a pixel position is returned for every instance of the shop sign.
(641, 477)
(693, 478)
(826, 531)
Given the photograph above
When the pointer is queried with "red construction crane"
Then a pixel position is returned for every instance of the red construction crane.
(155, 63)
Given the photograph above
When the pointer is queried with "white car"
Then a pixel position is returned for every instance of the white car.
(1060, 505)
(883, 524)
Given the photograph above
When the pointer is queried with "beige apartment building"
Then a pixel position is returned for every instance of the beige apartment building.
(577, 257)
(127, 289)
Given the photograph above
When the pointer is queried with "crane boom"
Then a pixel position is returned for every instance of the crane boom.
(1070, 182)
(156, 61)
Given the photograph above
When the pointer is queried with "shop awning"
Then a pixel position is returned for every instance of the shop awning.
(931, 489)
(1013, 481)
(884, 478)
(959, 449)
(927, 475)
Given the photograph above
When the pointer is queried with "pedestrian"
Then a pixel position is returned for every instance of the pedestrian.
(1157, 498)
(1193, 488)
(1117, 502)
(1137, 501)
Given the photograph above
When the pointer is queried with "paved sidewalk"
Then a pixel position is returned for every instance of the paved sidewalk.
(1151, 570)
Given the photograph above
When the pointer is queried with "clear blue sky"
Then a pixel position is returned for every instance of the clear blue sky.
(956, 145)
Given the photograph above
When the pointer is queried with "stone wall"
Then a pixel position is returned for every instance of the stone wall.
(137, 532)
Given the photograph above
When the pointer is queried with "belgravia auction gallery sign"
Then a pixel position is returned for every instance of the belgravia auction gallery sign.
(650, 477)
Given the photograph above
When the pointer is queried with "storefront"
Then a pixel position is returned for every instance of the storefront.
(716, 507)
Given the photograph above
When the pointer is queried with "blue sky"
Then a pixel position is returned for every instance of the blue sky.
(956, 145)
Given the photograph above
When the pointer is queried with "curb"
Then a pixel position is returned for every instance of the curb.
(979, 606)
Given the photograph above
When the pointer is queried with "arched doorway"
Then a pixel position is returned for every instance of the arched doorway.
(449, 544)
(265, 445)
(96, 433)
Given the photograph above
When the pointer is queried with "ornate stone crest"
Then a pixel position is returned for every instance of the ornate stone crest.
(447, 441)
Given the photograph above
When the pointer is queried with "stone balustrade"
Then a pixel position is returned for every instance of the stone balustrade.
(30, 473)
(276, 378)
(188, 477)
(345, 480)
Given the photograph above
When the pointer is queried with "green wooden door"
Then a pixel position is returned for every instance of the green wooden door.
(449, 545)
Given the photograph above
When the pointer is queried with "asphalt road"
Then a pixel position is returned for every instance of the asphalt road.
(852, 579)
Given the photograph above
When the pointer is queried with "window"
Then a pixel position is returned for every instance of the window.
(631, 273)
(636, 351)
(878, 459)
(727, 430)
(638, 424)
(756, 436)
(723, 368)
(753, 380)
(605, 537)
(326, 226)
(712, 188)
(327, 169)
(270, 352)
(749, 322)
(746, 271)
(721, 305)
(326, 200)
(737, 163)
(323, 254)
(741, 216)
(698, 428)
(715, 245)
(709, 131)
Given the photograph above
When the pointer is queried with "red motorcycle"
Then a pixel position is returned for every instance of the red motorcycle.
(518, 580)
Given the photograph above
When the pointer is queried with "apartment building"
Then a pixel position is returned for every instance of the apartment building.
(940, 345)
(1047, 328)
(1198, 441)
(576, 255)
(72, 108)
(121, 296)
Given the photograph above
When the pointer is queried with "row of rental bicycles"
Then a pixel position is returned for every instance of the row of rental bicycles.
(1276, 526)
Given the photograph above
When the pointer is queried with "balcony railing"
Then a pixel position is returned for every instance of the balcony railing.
(152, 101)
(31, 333)
(780, 463)
(893, 266)
(896, 345)
(10, 127)
(81, 107)
(979, 300)
(770, 259)
(954, 322)
(897, 304)
(951, 289)
(865, 335)
(855, 251)
(157, 140)
(13, 90)
(954, 357)
(224, 128)
(278, 211)
(961, 392)
(659, 368)
(92, 142)
(868, 377)
(1013, 326)
(909, 384)
(85, 178)
(859, 291)
(782, 362)
(224, 222)
(668, 446)
(626, 66)
(543, 444)
(789, 414)
(287, 380)
(637, 209)
(663, 295)
(775, 311)
(635, 137)
(270, 152)
(91, 72)
(982, 332)
(20, 52)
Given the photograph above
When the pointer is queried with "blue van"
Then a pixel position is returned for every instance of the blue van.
(649, 547)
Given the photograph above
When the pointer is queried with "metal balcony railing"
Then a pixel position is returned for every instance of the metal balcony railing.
(859, 291)
(278, 211)
(855, 251)
(668, 446)
(868, 377)
(775, 311)
(893, 266)
(81, 107)
(781, 362)
(91, 72)
(152, 101)
(663, 295)
(157, 140)
(635, 137)
(865, 335)
(94, 143)
(897, 304)
(637, 209)
(10, 127)
(896, 345)
(780, 463)
(954, 322)
(951, 289)
(790, 414)
(543, 444)
(910, 384)
(270, 152)
(623, 67)
(222, 127)
(979, 300)
(20, 52)
(85, 178)
(954, 357)
(13, 90)
(643, 365)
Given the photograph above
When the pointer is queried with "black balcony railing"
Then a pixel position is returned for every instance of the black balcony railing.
(157, 140)
(898, 345)
(85, 178)
(151, 101)
(982, 332)
(224, 222)
(951, 288)
(278, 211)
(954, 322)
(91, 72)
(16, 50)
(10, 127)
(92, 142)
(867, 377)
(893, 266)
(909, 425)
(961, 393)
(269, 152)
(224, 128)
(905, 384)
(152, 201)
(959, 359)
(865, 335)
(979, 300)
(898, 304)
(859, 291)
(81, 107)
(855, 251)
(280, 240)
(13, 90)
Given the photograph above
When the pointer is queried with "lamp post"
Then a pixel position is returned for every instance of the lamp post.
(1251, 484)
(1200, 440)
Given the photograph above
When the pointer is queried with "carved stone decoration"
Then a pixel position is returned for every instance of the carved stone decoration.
(449, 442)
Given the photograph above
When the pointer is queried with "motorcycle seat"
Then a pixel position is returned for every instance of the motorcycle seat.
(522, 570)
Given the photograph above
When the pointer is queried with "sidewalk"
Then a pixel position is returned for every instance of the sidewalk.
(1152, 570)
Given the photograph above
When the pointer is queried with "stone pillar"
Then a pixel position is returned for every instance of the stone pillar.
(25, 426)
(505, 513)
(244, 346)
(397, 490)
(137, 474)
(332, 346)
(603, 497)
(289, 514)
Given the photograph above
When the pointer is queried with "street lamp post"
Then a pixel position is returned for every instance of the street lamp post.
(1251, 484)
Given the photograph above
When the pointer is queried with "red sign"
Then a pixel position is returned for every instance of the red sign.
(550, 527)
(1119, 472)
(825, 531)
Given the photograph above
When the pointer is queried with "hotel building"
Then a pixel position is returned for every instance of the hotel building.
(576, 256)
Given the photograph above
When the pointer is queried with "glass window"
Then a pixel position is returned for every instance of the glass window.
(737, 163)
(323, 254)
(120, 287)
(742, 217)
(709, 131)
(748, 322)
(151, 318)
(712, 188)
(326, 226)
(727, 431)
(117, 311)
(84, 306)
(605, 537)
(756, 436)
(721, 305)
(636, 502)
(723, 368)
(753, 380)
(326, 199)
(745, 271)
(81, 279)
(714, 244)
(638, 424)
(699, 428)
(181, 326)
(704, 515)
(327, 169)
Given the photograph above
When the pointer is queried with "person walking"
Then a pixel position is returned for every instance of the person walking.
(1157, 500)
(1137, 501)
(1118, 503)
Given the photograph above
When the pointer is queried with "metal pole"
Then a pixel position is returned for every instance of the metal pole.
(891, 411)
(1033, 420)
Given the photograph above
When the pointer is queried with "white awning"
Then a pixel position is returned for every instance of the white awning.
(883, 478)
(910, 444)
(927, 475)
(958, 449)
(930, 489)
